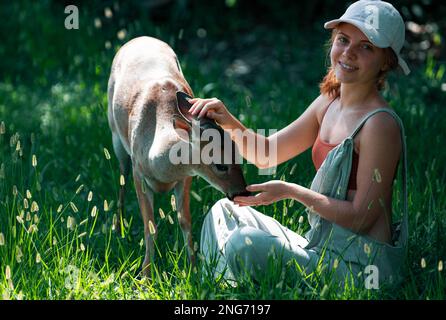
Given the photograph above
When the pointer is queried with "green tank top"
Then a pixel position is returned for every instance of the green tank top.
(332, 180)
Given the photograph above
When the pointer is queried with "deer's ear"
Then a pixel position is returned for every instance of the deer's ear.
(183, 105)
(182, 127)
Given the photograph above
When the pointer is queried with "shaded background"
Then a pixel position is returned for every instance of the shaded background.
(36, 47)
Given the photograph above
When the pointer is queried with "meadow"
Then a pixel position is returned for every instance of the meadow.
(59, 178)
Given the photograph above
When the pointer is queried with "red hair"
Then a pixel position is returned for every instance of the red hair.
(332, 87)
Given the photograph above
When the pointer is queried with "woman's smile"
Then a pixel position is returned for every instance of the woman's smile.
(347, 67)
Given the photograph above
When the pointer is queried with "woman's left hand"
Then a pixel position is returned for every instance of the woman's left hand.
(270, 192)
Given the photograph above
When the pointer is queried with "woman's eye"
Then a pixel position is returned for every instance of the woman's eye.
(342, 39)
(367, 47)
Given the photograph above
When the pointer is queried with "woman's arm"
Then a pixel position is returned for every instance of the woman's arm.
(288, 142)
(380, 143)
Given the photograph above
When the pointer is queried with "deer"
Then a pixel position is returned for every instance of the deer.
(148, 115)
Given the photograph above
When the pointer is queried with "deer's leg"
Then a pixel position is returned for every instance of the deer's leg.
(124, 169)
(182, 196)
(145, 199)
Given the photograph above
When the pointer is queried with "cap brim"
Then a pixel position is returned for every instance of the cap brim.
(370, 33)
(332, 23)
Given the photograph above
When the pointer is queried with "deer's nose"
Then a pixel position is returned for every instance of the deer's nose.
(245, 193)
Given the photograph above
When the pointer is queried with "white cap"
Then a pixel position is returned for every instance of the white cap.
(380, 22)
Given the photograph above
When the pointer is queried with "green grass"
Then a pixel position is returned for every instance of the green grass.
(53, 247)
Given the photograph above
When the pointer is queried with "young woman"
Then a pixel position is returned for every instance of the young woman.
(357, 141)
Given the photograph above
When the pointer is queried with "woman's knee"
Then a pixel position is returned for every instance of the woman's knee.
(248, 249)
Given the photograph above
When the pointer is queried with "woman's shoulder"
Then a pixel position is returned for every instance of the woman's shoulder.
(382, 126)
(386, 119)
(321, 103)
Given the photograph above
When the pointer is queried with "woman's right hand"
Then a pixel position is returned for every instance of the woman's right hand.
(213, 109)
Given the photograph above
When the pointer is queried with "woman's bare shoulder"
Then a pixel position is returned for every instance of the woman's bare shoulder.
(320, 105)
(382, 126)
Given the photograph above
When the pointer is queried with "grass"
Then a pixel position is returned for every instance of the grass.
(58, 188)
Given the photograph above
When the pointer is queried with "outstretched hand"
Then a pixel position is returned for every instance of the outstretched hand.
(212, 108)
(269, 192)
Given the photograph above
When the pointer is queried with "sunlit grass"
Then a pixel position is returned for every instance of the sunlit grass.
(58, 188)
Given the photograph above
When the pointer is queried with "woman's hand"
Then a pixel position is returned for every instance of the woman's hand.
(270, 192)
(213, 109)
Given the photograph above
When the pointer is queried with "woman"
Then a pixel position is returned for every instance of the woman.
(356, 141)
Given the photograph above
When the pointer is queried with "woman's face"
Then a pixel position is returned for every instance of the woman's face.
(354, 58)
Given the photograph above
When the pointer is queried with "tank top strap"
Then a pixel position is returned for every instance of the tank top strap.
(328, 107)
(405, 223)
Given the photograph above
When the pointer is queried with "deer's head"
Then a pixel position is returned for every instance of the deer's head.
(218, 159)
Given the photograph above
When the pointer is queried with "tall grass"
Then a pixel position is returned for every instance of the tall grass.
(58, 189)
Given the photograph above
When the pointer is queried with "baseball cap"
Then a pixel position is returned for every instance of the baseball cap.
(381, 23)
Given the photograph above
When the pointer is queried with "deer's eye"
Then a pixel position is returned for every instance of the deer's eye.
(222, 167)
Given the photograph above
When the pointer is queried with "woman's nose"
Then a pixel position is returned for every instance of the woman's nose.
(349, 52)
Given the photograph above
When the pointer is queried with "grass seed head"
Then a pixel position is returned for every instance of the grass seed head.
(33, 228)
(423, 263)
(324, 291)
(79, 189)
(73, 207)
(94, 211)
(108, 13)
(90, 196)
(335, 263)
(2, 239)
(151, 228)
(376, 176)
(18, 254)
(34, 207)
(161, 212)
(107, 154)
(8, 272)
(367, 249)
(71, 223)
(195, 195)
(173, 203)
(34, 161)
(293, 168)
(20, 219)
